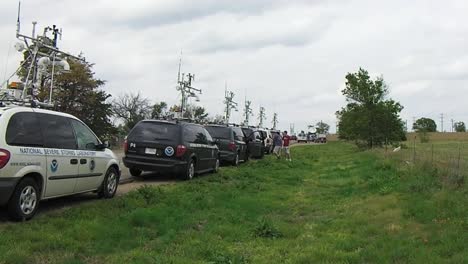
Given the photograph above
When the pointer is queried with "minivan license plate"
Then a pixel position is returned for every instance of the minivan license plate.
(151, 151)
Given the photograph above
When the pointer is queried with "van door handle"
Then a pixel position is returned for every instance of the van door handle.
(83, 161)
(73, 161)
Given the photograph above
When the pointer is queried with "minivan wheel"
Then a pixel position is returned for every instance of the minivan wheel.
(109, 184)
(190, 171)
(25, 200)
(135, 172)
(216, 167)
(235, 162)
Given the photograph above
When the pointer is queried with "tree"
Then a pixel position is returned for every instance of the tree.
(199, 114)
(159, 110)
(369, 116)
(459, 126)
(322, 128)
(131, 109)
(425, 125)
(77, 93)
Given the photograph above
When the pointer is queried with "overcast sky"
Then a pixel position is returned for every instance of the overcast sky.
(289, 56)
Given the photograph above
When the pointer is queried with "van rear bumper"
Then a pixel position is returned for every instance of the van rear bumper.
(7, 187)
(156, 165)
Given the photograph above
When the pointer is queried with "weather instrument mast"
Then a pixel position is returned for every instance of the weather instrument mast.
(261, 116)
(229, 103)
(247, 111)
(42, 52)
(184, 86)
(275, 120)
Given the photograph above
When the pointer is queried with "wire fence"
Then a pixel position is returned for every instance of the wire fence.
(448, 159)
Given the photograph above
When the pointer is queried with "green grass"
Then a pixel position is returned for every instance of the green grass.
(332, 204)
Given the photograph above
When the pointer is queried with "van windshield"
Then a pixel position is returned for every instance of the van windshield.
(152, 131)
(219, 132)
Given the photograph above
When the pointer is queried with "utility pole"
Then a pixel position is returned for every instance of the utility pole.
(292, 129)
(184, 86)
(230, 104)
(247, 111)
(261, 116)
(442, 122)
(414, 122)
(452, 124)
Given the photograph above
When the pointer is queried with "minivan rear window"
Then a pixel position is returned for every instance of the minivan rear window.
(152, 131)
(219, 132)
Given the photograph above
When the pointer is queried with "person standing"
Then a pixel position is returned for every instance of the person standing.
(278, 144)
(286, 140)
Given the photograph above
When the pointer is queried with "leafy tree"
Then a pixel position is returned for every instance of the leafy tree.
(77, 92)
(459, 126)
(159, 110)
(425, 125)
(322, 128)
(131, 108)
(369, 117)
(199, 114)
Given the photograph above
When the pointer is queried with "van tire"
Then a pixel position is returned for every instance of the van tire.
(189, 171)
(24, 202)
(109, 184)
(135, 172)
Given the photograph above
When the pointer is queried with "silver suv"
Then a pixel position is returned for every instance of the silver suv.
(46, 154)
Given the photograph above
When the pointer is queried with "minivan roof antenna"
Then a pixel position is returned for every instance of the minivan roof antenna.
(229, 102)
(18, 23)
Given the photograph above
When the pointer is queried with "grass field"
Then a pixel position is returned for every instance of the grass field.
(332, 204)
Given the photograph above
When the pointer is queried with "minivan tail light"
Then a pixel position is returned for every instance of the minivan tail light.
(4, 157)
(180, 151)
(125, 146)
(232, 146)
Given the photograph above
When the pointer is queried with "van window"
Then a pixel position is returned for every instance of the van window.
(195, 134)
(84, 137)
(153, 131)
(238, 134)
(57, 131)
(219, 132)
(22, 130)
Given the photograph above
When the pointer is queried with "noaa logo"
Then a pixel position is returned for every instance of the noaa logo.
(169, 151)
(54, 165)
(92, 165)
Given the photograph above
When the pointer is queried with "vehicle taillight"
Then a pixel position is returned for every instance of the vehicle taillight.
(232, 146)
(125, 146)
(180, 151)
(4, 157)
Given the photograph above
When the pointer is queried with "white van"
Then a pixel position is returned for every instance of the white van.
(46, 154)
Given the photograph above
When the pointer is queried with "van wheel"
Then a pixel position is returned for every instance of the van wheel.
(189, 172)
(25, 200)
(135, 172)
(109, 184)
(216, 167)
(235, 162)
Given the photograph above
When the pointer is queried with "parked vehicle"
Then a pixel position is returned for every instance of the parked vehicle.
(231, 143)
(321, 138)
(176, 147)
(267, 140)
(255, 145)
(302, 137)
(46, 154)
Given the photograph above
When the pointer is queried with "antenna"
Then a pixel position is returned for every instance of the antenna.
(40, 53)
(18, 23)
(184, 86)
(230, 104)
(247, 111)
(261, 116)
(275, 120)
